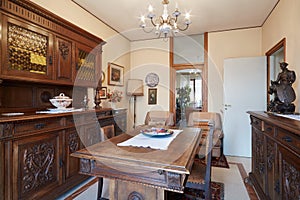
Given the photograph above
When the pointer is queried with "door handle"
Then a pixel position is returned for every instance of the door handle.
(227, 105)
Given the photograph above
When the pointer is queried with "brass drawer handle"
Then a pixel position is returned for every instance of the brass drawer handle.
(39, 126)
(287, 139)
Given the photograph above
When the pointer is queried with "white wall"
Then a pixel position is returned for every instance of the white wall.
(117, 48)
(284, 23)
(146, 57)
(228, 44)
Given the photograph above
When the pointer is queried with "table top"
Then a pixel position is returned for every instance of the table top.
(142, 164)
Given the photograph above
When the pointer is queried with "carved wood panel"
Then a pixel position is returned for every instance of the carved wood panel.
(36, 165)
(72, 144)
(271, 167)
(290, 175)
(63, 59)
(6, 129)
(133, 191)
(259, 161)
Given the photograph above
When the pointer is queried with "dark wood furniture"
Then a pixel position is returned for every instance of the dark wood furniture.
(200, 177)
(35, 150)
(275, 156)
(38, 46)
(141, 173)
(43, 55)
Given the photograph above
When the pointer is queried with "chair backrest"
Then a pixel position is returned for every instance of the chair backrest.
(196, 117)
(159, 117)
(107, 132)
(200, 175)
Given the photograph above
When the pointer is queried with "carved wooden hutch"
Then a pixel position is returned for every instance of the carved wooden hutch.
(275, 156)
(41, 56)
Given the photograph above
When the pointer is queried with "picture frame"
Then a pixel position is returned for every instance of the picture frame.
(102, 77)
(115, 74)
(103, 93)
(152, 96)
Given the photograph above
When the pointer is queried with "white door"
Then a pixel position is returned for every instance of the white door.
(244, 90)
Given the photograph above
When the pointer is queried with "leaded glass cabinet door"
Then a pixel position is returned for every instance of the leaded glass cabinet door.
(88, 65)
(28, 51)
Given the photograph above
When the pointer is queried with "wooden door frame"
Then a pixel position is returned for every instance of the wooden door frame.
(281, 43)
(175, 67)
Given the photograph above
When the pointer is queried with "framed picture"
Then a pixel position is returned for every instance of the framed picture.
(103, 93)
(152, 96)
(115, 74)
(102, 77)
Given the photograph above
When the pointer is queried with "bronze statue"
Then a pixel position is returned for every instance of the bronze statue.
(283, 92)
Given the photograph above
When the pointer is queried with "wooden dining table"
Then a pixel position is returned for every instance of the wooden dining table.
(138, 172)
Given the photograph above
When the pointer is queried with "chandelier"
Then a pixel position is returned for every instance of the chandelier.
(165, 24)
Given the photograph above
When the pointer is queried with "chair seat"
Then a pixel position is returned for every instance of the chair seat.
(197, 175)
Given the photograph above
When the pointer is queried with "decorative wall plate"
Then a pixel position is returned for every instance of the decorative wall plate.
(152, 79)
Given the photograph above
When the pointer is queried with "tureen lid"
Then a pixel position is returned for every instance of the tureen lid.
(61, 96)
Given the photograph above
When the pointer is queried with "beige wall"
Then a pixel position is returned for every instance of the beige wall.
(117, 49)
(146, 57)
(284, 23)
(228, 44)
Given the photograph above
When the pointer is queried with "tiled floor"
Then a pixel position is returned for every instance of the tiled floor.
(233, 179)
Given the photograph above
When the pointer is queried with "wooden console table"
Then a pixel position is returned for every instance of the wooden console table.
(141, 173)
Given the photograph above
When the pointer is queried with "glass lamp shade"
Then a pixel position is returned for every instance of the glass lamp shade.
(135, 87)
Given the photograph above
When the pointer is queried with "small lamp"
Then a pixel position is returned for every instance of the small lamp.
(135, 88)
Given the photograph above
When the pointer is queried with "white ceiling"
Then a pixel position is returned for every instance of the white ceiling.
(206, 15)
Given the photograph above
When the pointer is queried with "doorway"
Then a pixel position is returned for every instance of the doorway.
(188, 93)
(199, 94)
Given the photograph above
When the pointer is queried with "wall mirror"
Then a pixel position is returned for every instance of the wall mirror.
(274, 56)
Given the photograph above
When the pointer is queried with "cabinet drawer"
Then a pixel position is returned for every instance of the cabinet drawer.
(257, 123)
(268, 129)
(289, 139)
(37, 125)
(104, 114)
(70, 121)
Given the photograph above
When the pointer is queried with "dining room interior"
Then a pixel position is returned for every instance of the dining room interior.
(159, 99)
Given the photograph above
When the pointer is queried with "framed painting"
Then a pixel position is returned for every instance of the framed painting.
(103, 93)
(152, 96)
(115, 74)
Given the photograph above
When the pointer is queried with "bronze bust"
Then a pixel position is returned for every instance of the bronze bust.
(283, 92)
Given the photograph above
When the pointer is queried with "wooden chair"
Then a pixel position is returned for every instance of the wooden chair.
(200, 176)
(159, 117)
(196, 118)
(107, 132)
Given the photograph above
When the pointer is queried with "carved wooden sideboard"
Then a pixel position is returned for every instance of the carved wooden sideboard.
(275, 156)
(35, 161)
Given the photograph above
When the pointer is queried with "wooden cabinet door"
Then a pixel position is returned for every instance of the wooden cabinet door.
(90, 134)
(272, 185)
(27, 51)
(289, 174)
(72, 144)
(64, 59)
(36, 166)
(88, 65)
(258, 155)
